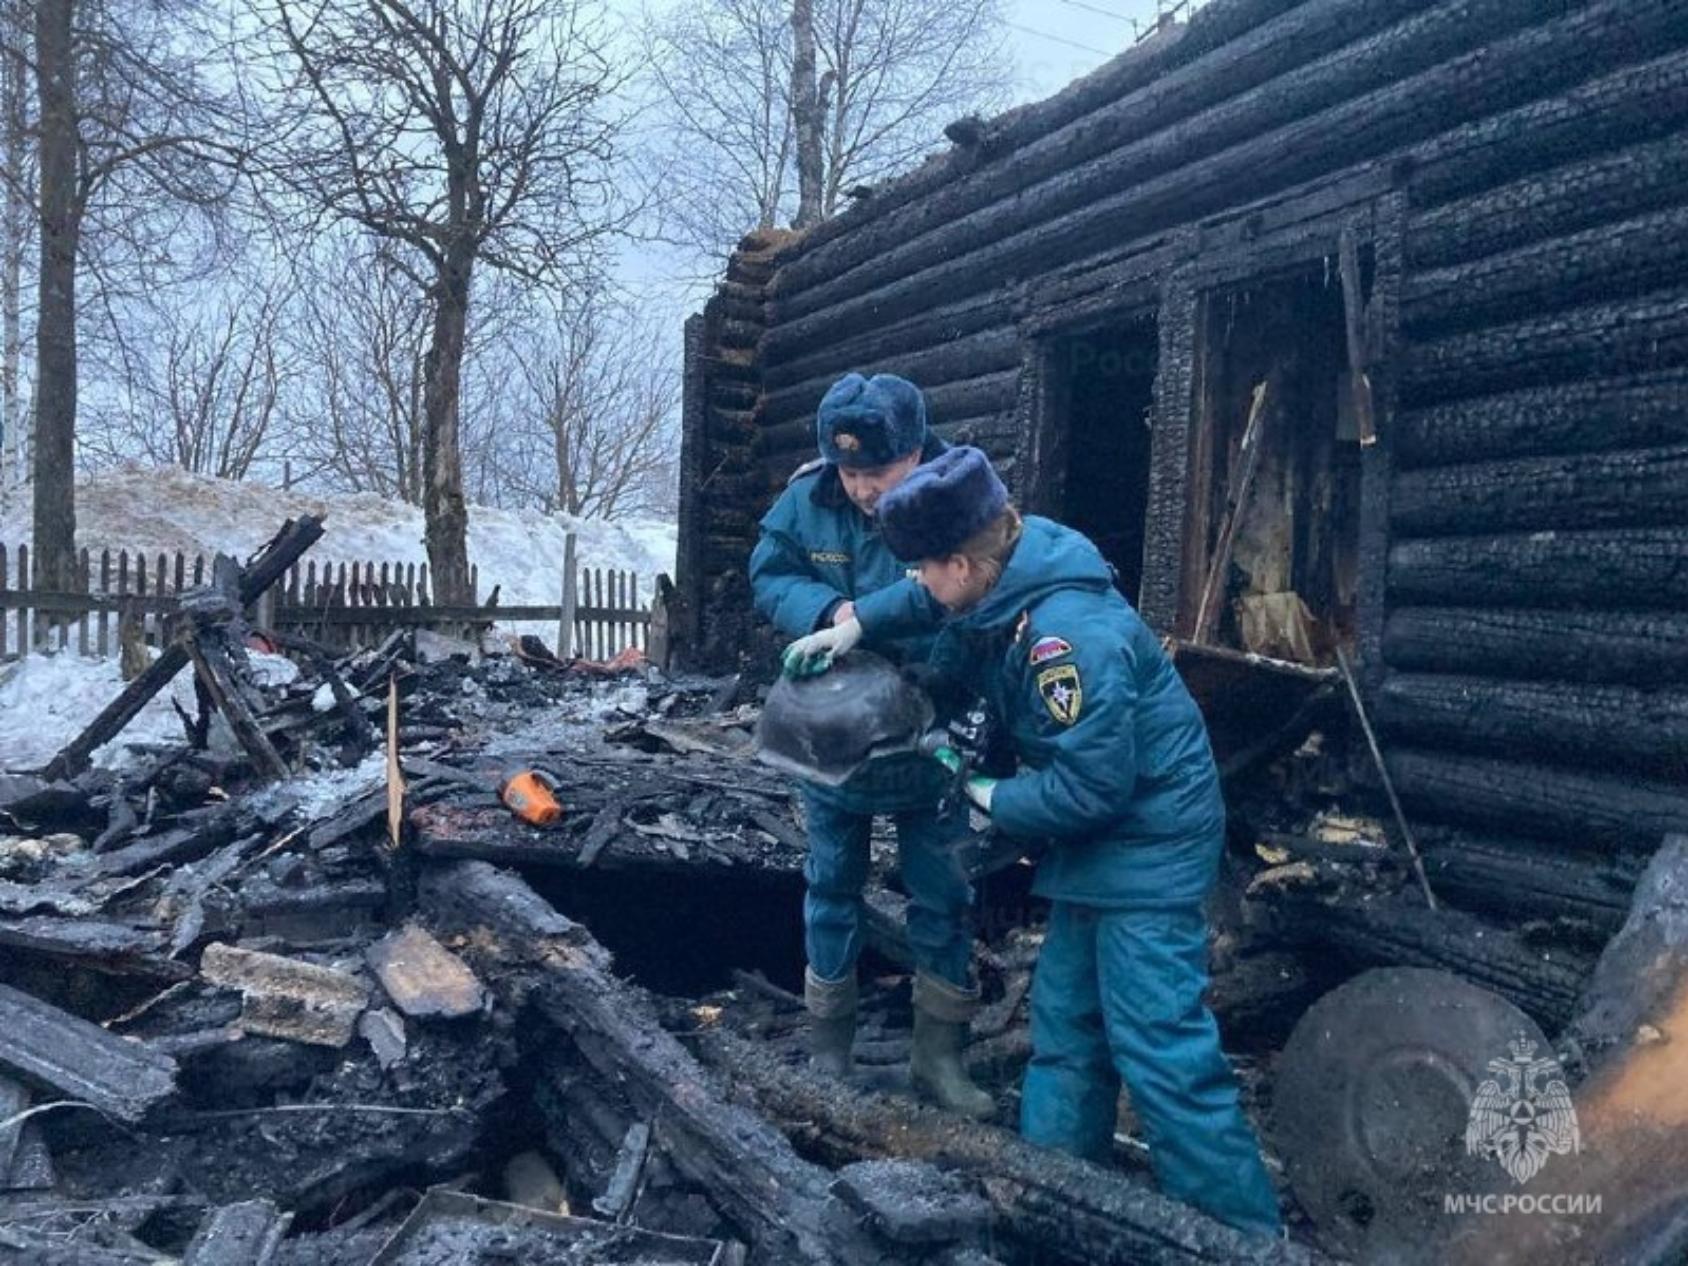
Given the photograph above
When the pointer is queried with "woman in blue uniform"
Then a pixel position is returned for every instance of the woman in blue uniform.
(1117, 777)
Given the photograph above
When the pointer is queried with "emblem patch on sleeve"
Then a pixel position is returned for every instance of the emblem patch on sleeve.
(1062, 692)
(1048, 648)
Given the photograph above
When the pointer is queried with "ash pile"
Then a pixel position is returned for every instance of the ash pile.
(441, 952)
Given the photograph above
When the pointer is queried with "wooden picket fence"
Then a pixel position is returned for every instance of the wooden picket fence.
(340, 604)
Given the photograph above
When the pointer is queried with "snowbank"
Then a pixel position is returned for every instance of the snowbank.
(47, 700)
(521, 551)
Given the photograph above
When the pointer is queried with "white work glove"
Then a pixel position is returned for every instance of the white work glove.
(812, 655)
(977, 788)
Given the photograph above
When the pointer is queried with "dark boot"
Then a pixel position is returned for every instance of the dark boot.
(832, 1023)
(941, 1015)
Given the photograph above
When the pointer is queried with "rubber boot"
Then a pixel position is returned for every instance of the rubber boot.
(941, 1015)
(832, 1023)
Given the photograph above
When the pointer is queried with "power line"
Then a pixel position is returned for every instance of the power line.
(1107, 13)
(1045, 35)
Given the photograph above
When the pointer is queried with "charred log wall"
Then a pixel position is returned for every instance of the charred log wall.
(1531, 593)
(723, 490)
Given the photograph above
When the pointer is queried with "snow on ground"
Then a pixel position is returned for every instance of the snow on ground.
(47, 700)
(151, 509)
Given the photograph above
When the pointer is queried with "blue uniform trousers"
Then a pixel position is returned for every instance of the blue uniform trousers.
(940, 897)
(1119, 993)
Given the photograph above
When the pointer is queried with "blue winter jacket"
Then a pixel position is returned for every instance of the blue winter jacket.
(1116, 772)
(816, 551)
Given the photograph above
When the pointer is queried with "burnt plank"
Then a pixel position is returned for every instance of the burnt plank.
(760, 1183)
(246, 1234)
(82, 1061)
(1072, 1210)
(108, 946)
(296, 536)
(1639, 648)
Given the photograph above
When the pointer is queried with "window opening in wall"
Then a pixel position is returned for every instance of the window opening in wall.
(1102, 405)
(1271, 557)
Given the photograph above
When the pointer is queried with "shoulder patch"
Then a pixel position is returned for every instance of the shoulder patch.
(1062, 692)
(1048, 648)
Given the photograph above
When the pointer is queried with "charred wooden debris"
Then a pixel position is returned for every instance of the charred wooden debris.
(306, 988)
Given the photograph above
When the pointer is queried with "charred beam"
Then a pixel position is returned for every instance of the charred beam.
(1646, 488)
(1510, 879)
(1073, 1211)
(1621, 568)
(1608, 812)
(969, 398)
(1636, 180)
(1609, 261)
(1601, 414)
(743, 1162)
(295, 537)
(1632, 336)
(1641, 730)
(1544, 983)
(1624, 647)
(81, 1060)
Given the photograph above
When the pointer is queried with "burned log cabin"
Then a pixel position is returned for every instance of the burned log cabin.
(1335, 323)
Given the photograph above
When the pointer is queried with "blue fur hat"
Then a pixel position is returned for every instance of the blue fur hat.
(870, 421)
(945, 501)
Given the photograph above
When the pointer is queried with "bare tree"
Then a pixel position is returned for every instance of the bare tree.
(737, 103)
(17, 197)
(466, 133)
(357, 343)
(131, 130)
(721, 144)
(210, 400)
(608, 411)
(808, 114)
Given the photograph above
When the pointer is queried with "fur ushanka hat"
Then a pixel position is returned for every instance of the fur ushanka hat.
(865, 422)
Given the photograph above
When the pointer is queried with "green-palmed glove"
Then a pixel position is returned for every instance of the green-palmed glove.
(977, 788)
(812, 655)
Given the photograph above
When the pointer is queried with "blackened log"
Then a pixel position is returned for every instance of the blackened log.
(1640, 731)
(194, 835)
(1625, 568)
(778, 1199)
(1645, 488)
(1072, 1211)
(1543, 982)
(216, 673)
(990, 351)
(1603, 414)
(1197, 112)
(1509, 878)
(1608, 261)
(80, 1060)
(971, 397)
(1621, 647)
(927, 328)
(246, 1234)
(1641, 178)
(271, 564)
(115, 948)
(1222, 29)
(1641, 102)
(1605, 812)
(1059, 221)
(1632, 336)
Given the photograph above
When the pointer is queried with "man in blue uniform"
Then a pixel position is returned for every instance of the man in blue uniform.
(1117, 777)
(821, 574)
